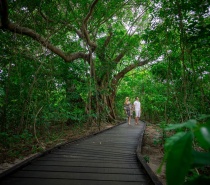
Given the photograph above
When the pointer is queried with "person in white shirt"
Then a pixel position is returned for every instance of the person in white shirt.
(137, 108)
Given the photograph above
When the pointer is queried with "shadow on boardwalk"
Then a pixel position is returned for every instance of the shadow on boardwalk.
(106, 158)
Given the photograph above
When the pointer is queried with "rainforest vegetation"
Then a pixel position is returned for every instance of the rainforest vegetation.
(70, 64)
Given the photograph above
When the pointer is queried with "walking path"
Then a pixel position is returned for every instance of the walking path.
(108, 158)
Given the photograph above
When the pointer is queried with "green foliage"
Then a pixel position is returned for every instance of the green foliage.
(151, 93)
(2, 94)
(9, 140)
(181, 154)
(146, 158)
(157, 141)
(15, 145)
(179, 159)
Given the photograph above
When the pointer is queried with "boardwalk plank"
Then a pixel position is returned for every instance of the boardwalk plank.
(92, 160)
(84, 169)
(35, 181)
(93, 156)
(80, 176)
(106, 155)
(100, 165)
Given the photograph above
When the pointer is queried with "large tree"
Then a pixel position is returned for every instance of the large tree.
(105, 35)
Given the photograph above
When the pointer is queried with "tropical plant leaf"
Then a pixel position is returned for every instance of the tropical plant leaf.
(203, 136)
(201, 180)
(200, 158)
(188, 124)
(179, 160)
(170, 141)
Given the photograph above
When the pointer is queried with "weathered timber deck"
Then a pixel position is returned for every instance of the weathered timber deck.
(108, 158)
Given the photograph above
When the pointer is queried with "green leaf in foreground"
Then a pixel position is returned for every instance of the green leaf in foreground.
(188, 124)
(179, 160)
(203, 136)
(171, 140)
(201, 180)
(201, 159)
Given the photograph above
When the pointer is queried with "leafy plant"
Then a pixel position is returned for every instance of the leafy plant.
(188, 149)
(157, 141)
(146, 158)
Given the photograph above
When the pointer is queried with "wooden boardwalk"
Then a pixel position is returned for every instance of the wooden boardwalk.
(108, 158)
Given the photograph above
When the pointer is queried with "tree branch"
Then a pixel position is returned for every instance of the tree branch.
(84, 26)
(44, 16)
(29, 32)
(90, 12)
(106, 42)
(79, 33)
(4, 13)
(120, 56)
(15, 28)
(121, 74)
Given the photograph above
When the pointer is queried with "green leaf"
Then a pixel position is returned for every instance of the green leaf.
(201, 180)
(203, 136)
(200, 158)
(179, 160)
(189, 124)
(170, 141)
(204, 116)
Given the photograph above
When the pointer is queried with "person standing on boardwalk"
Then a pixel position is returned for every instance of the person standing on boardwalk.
(127, 108)
(137, 108)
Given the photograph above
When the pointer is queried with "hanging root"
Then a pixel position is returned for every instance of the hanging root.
(42, 144)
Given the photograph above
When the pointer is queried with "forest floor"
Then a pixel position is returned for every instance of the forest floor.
(152, 151)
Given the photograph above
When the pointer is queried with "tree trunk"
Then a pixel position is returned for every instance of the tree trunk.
(3, 117)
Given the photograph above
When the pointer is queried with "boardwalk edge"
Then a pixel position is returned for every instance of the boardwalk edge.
(151, 174)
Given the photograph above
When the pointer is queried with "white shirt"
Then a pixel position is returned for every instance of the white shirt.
(137, 105)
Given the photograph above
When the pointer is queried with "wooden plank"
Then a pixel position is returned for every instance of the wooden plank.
(119, 152)
(100, 155)
(105, 145)
(87, 158)
(87, 164)
(84, 169)
(36, 181)
(82, 155)
(105, 154)
(81, 176)
(99, 147)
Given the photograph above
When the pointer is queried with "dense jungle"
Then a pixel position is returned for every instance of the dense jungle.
(66, 67)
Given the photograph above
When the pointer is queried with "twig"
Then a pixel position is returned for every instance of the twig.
(35, 128)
